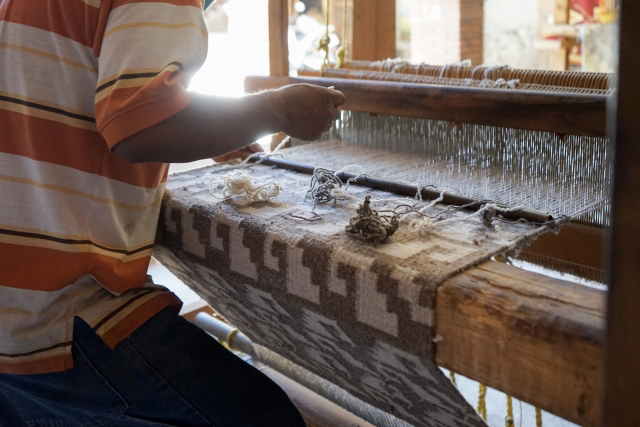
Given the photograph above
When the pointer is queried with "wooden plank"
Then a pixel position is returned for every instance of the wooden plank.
(570, 114)
(577, 244)
(278, 45)
(385, 29)
(374, 30)
(533, 337)
(315, 409)
(363, 41)
(622, 384)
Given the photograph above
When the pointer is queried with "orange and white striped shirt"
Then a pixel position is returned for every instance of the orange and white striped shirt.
(77, 223)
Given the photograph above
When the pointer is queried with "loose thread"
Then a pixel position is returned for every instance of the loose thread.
(482, 397)
(371, 225)
(508, 420)
(326, 186)
(520, 404)
(322, 186)
(538, 417)
(452, 375)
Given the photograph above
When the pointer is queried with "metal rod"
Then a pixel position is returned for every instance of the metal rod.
(406, 190)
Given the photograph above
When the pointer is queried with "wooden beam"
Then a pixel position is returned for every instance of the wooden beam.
(278, 45)
(567, 114)
(622, 384)
(536, 338)
(578, 244)
(374, 29)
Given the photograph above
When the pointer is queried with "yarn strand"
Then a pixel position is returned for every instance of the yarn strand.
(482, 404)
(342, 52)
(508, 420)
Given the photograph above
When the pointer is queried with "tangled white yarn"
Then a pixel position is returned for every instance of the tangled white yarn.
(421, 226)
(240, 183)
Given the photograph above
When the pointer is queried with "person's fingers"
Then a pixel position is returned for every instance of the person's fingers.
(338, 98)
(328, 126)
(334, 113)
(221, 159)
(334, 96)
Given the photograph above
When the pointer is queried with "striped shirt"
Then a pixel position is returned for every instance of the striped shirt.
(77, 223)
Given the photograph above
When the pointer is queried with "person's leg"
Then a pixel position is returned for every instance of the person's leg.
(78, 397)
(170, 370)
(168, 373)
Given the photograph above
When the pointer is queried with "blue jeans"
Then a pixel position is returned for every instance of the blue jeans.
(167, 373)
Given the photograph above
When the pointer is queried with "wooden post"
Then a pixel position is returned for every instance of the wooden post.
(278, 46)
(374, 30)
(622, 366)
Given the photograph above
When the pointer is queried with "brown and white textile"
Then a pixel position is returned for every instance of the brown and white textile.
(357, 314)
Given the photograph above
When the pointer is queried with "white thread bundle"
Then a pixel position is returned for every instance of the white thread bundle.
(500, 83)
(240, 183)
(421, 226)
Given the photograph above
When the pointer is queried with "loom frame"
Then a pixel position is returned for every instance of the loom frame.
(504, 326)
(622, 365)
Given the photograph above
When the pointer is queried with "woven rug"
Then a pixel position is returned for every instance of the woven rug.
(358, 314)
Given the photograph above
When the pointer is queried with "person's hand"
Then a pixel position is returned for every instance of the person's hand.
(309, 110)
(239, 154)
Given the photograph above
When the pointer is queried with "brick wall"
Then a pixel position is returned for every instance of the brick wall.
(471, 31)
(445, 31)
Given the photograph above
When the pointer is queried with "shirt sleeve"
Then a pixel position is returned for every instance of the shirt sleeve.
(148, 51)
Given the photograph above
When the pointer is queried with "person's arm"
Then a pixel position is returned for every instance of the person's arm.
(211, 126)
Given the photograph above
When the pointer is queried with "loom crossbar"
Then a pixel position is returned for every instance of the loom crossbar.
(536, 338)
(565, 114)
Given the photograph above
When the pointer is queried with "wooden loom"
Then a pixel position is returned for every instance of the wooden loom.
(541, 340)
(479, 312)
